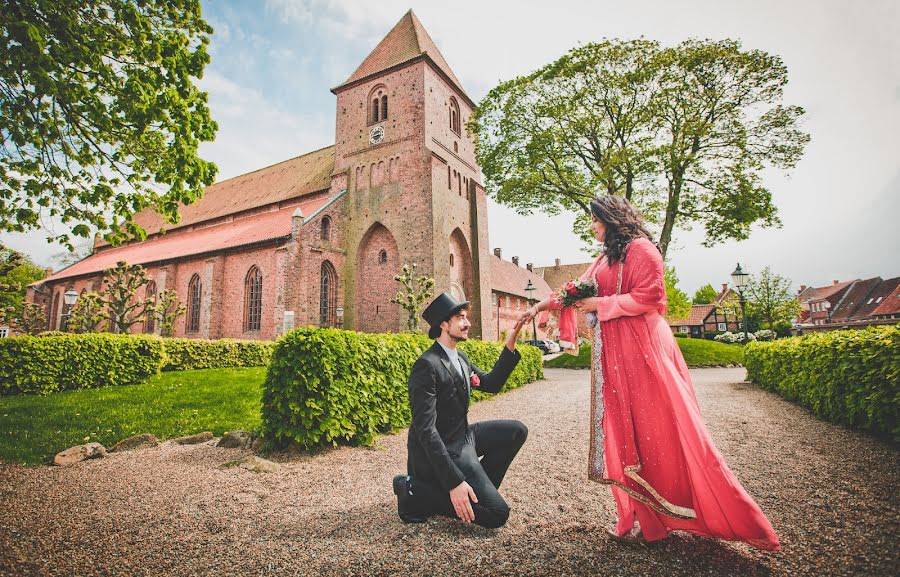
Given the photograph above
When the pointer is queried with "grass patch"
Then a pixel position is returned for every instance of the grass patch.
(696, 352)
(34, 428)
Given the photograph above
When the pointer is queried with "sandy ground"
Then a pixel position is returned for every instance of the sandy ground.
(832, 495)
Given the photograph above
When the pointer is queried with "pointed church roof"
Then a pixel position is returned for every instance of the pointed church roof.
(406, 41)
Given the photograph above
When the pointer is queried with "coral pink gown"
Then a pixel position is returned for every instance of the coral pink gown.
(648, 439)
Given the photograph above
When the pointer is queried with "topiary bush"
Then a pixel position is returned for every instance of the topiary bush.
(326, 386)
(851, 377)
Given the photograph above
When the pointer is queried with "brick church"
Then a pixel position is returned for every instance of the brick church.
(318, 239)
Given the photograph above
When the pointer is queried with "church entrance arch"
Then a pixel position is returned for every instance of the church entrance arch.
(462, 284)
(378, 261)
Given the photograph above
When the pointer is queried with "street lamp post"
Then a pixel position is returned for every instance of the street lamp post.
(530, 290)
(739, 279)
(69, 298)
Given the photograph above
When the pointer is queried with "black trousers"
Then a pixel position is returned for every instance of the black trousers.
(497, 443)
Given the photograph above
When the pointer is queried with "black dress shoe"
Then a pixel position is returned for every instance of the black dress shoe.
(404, 507)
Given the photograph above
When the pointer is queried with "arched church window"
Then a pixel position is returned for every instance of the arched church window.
(253, 299)
(382, 257)
(193, 309)
(150, 295)
(454, 115)
(326, 228)
(327, 295)
(378, 104)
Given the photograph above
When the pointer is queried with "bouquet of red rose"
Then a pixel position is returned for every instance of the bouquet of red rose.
(575, 290)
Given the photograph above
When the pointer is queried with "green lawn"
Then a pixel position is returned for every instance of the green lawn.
(697, 353)
(33, 428)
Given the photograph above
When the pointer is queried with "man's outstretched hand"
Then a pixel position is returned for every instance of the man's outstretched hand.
(514, 333)
(460, 496)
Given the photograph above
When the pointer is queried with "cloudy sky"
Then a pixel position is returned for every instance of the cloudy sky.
(273, 63)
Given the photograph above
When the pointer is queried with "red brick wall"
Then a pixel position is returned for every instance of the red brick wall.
(374, 312)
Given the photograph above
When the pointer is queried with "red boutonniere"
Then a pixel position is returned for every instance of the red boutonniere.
(474, 380)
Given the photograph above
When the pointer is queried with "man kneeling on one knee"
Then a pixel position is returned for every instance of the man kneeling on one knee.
(446, 476)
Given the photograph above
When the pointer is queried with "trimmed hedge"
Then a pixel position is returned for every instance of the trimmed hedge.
(188, 354)
(851, 377)
(57, 361)
(326, 386)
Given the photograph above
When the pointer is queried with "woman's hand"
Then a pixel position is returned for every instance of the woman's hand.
(529, 314)
(588, 305)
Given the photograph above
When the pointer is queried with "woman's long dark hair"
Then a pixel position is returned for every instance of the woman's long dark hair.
(623, 224)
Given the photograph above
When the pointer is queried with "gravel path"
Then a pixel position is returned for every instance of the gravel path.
(831, 494)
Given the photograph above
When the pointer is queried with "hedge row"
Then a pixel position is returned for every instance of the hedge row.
(850, 377)
(61, 362)
(326, 386)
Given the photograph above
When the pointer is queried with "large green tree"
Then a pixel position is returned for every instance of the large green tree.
(17, 271)
(771, 298)
(678, 303)
(705, 295)
(683, 132)
(99, 114)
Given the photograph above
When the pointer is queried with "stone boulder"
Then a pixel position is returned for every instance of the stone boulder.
(79, 453)
(194, 439)
(258, 465)
(236, 440)
(136, 442)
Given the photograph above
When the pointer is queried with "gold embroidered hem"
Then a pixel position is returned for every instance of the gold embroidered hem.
(596, 451)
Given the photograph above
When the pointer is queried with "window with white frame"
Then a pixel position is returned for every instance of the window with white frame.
(723, 327)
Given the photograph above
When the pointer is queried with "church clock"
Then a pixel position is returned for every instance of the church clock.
(376, 135)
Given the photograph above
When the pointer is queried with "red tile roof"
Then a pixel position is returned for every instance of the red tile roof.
(856, 296)
(880, 298)
(890, 304)
(406, 40)
(240, 231)
(509, 278)
(696, 317)
(814, 293)
(291, 178)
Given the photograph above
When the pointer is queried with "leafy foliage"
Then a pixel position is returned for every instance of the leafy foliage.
(17, 271)
(58, 361)
(99, 115)
(771, 298)
(705, 295)
(88, 313)
(677, 302)
(326, 386)
(414, 291)
(848, 377)
(682, 132)
(167, 310)
(122, 284)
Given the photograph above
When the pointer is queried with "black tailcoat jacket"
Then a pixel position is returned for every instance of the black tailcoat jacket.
(439, 399)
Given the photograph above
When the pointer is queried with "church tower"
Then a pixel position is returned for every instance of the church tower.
(413, 190)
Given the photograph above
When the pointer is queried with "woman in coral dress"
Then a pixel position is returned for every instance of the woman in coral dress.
(647, 439)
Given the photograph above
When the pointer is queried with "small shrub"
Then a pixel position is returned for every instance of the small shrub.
(681, 335)
(765, 335)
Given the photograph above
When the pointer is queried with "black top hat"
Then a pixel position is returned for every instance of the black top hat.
(440, 310)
